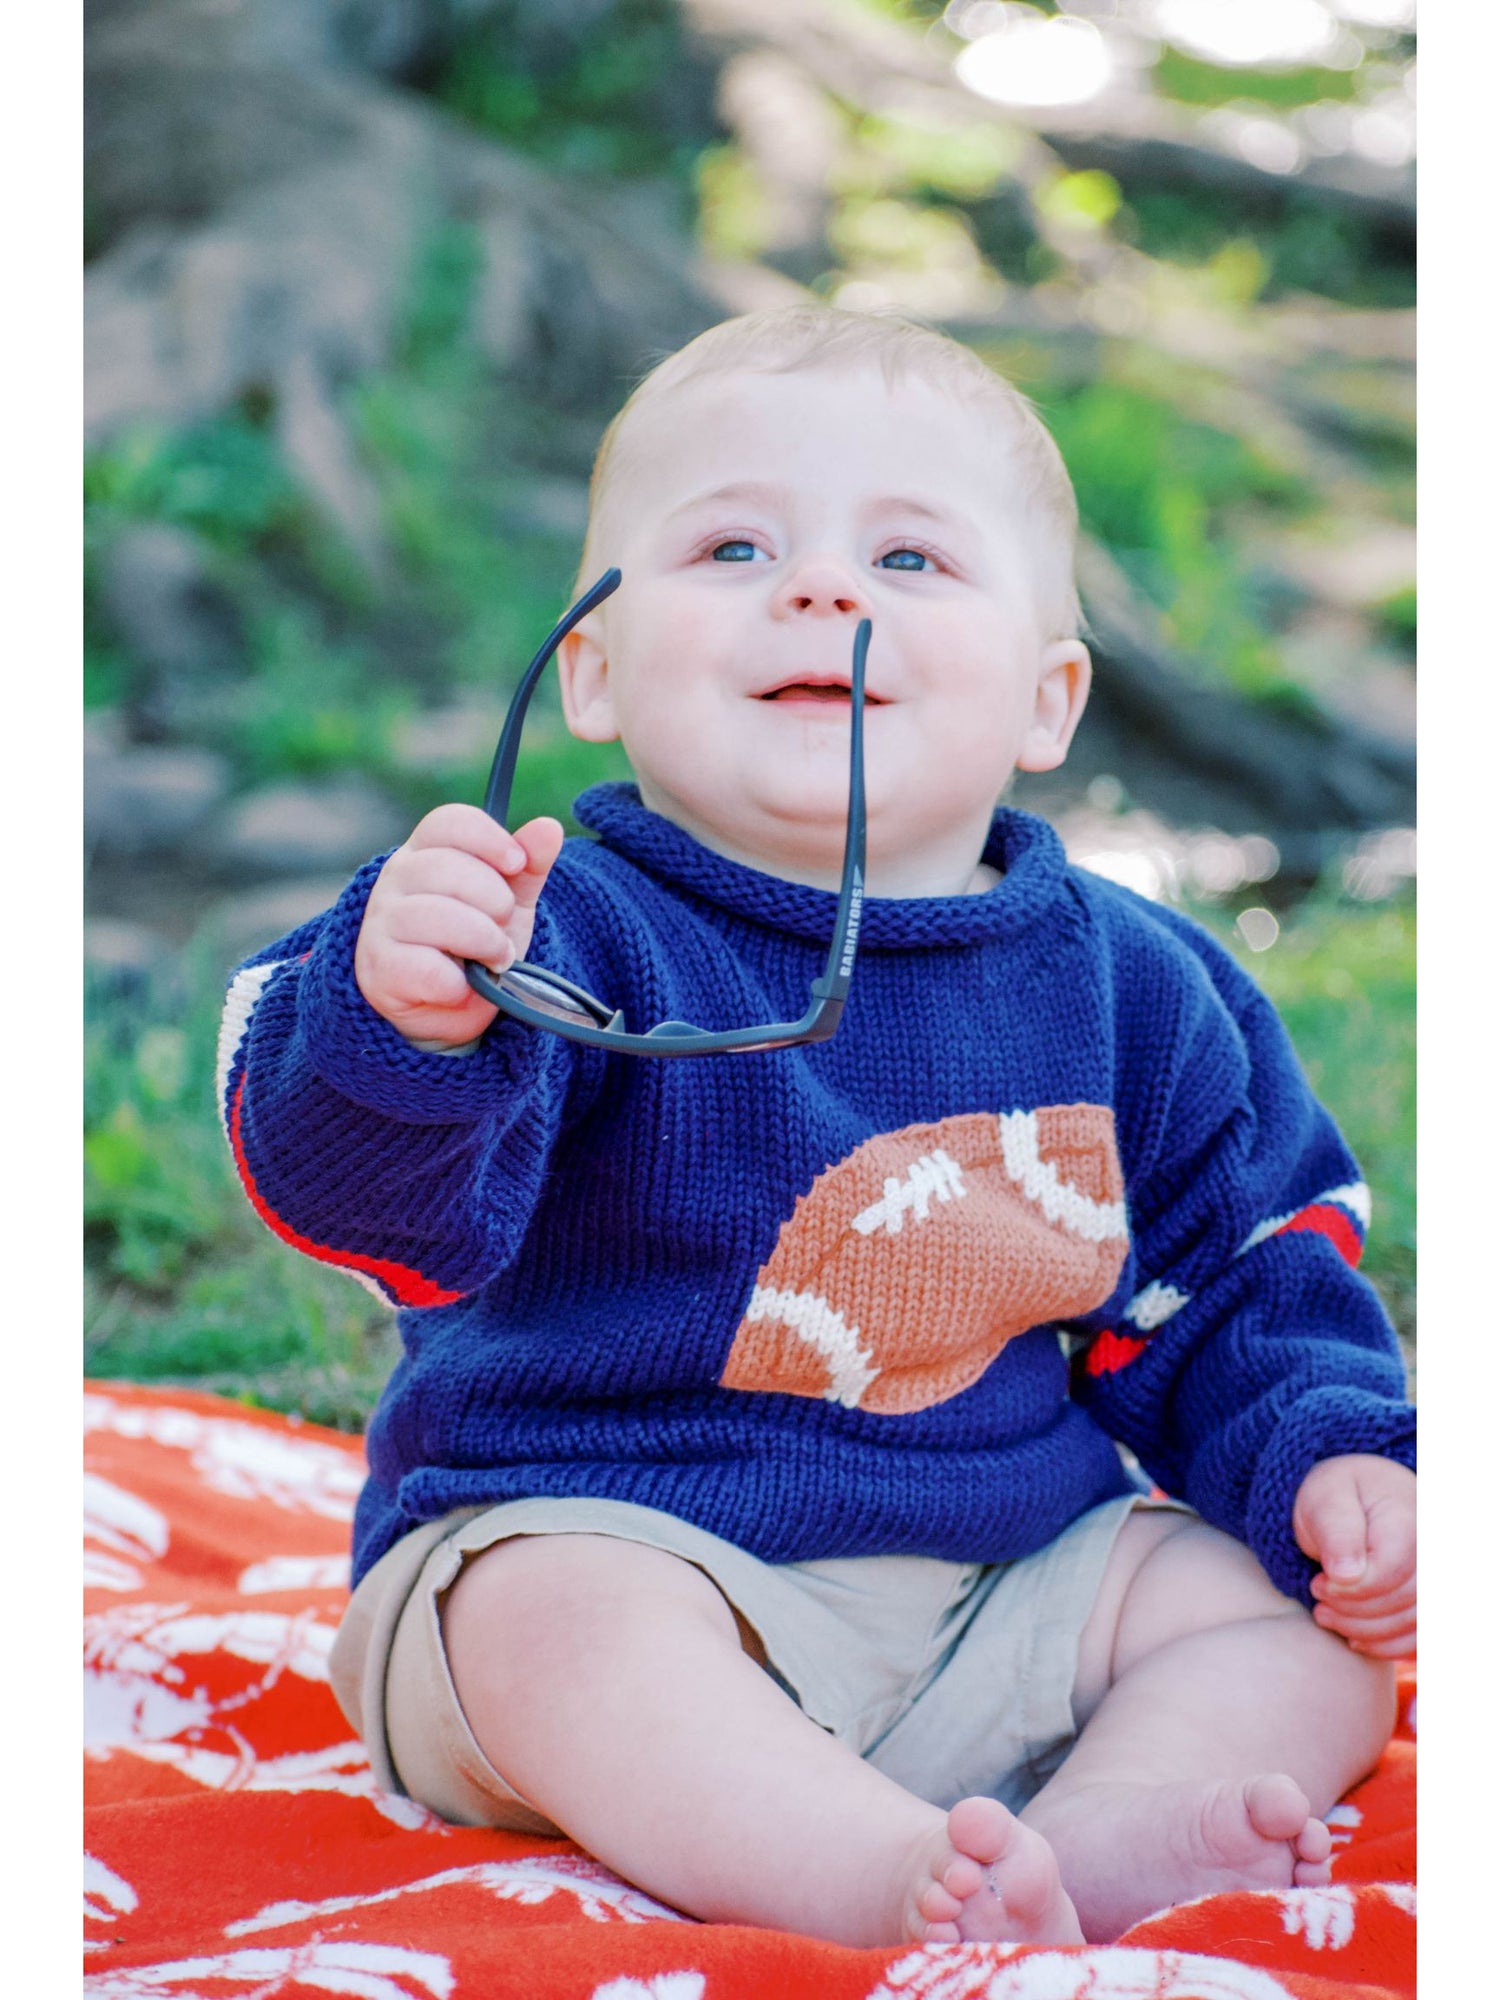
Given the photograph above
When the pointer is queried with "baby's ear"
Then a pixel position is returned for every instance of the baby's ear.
(1062, 689)
(583, 675)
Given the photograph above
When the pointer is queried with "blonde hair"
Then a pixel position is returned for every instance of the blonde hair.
(796, 337)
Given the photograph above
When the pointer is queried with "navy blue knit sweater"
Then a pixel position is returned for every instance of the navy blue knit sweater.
(1057, 1180)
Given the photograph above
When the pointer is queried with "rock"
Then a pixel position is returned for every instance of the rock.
(104, 732)
(259, 206)
(440, 738)
(1364, 562)
(179, 625)
(186, 107)
(293, 829)
(149, 800)
(309, 254)
(557, 506)
(244, 923)
(501, 301)
(319, 451)
(790, 134)
(121, 957)
(1207, 755)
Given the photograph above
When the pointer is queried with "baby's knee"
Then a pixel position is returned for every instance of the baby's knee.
(1194, 1578)
(536, 1598)
(1177, 1576)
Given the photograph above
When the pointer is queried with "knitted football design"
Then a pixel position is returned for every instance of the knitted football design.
(908, 1266)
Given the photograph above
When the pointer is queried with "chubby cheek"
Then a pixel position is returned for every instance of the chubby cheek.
(676, 732)
(666, 620)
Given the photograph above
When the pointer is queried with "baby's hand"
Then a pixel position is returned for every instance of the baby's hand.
(1357, 1517)
(461, 887)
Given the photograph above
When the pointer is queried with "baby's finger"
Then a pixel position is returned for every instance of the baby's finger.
(1336, 1528)
(1344, 1618)
(472, 831)
(1391, 1625)
(1367, 1602)
(1393, 1546)
(416, 976)
(447, 871)
(542, 841)
(1400, 1646)
(1397, 1643)
(441, 923)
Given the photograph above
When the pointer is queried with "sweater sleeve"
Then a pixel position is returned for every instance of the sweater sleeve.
(415, 1171)
(1250, 1347)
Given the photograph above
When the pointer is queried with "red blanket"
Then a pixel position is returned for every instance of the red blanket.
(238, 1846)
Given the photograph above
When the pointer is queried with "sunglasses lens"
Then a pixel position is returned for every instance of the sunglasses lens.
(550, 999)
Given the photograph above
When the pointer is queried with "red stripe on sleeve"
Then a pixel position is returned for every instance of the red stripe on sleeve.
(1111, 1351)
(409, 1287)
(1328, 1219)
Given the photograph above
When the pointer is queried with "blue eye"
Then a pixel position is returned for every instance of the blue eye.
(911, 560)
(735, 552)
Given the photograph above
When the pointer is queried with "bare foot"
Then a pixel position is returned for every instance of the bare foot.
(1126, 1850)
(986, 1876)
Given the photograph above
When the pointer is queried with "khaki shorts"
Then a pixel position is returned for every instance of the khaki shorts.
(952, 1678)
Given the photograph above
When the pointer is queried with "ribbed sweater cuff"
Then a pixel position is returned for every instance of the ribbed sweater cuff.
(1325, 1423)
(358, 1052)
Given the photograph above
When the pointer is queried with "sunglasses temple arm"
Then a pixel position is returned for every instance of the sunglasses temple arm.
(503, 769)
(834, 985)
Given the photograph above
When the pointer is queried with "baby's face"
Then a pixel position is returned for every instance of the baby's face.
(758, 519)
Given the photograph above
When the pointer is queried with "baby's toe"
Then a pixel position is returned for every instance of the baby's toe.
(980, 1827)
(962, 1877)
(1277, 1806)
(937, 1905)
(1314, 1842)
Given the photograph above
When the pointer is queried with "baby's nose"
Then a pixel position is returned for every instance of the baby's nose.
(824, 587)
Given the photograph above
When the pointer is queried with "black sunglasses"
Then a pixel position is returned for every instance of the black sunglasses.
(544, 999)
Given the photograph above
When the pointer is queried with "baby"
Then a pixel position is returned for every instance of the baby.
(747, 1504)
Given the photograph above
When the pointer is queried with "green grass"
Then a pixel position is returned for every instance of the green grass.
(1343, 977)
(184, 1283)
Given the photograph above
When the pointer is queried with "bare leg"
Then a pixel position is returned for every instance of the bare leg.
(607, 1681)
(1220, 1723)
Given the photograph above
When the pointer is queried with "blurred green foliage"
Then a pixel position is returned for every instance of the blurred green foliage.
(1090, 198)
(1164, 491)
(603, 101)
(313, 711)
(224, 478)
(899, 150)
(1398, 617)
(733, 212)
(1304, 244)
(1192, 81)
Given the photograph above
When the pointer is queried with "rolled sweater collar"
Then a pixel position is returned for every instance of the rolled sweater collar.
(1025, 849)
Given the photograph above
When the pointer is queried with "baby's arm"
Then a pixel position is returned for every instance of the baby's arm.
(1356, 1517)
(461, 887)
(1249, 1351)
(414, 1169)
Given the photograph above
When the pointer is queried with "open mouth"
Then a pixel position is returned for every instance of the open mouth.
(819, 691)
